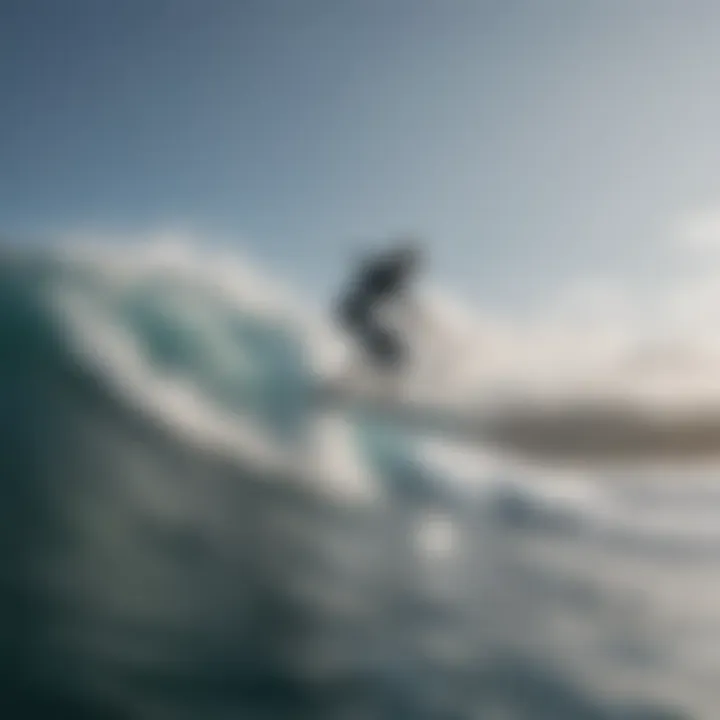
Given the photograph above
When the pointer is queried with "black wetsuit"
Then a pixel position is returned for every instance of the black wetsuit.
(378, 281)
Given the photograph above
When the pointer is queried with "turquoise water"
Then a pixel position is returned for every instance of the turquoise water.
(158, 565)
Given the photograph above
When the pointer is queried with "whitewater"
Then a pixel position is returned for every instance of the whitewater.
(186, 536)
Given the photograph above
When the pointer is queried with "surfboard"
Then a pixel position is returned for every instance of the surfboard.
(397, 404)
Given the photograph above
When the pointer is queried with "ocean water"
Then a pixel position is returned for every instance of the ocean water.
(185, 536)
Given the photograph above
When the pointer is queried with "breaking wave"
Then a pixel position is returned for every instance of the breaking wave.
(186, 537)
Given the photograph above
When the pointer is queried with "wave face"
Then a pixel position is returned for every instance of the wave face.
(185, 538)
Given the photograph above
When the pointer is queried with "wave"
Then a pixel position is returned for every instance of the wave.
(185, 539)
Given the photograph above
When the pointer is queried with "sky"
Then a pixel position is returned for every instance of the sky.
(528, 143)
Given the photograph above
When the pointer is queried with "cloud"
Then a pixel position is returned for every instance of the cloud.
(699, 231)
(605, 371)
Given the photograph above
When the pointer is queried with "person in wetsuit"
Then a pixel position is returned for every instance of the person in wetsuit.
(381, 280)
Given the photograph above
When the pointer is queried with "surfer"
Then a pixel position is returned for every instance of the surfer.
(380, 281)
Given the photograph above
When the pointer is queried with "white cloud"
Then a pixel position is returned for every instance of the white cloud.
(699, 231)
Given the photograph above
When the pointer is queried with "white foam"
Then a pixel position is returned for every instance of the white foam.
(176, 400)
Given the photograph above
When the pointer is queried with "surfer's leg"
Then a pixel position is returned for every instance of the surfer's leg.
(382, 351)
(354, 318)
(388, 358)
(385, 348)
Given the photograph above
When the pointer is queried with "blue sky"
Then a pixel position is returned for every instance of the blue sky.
(528, 142)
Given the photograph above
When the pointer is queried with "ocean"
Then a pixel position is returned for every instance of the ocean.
(186, 536)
